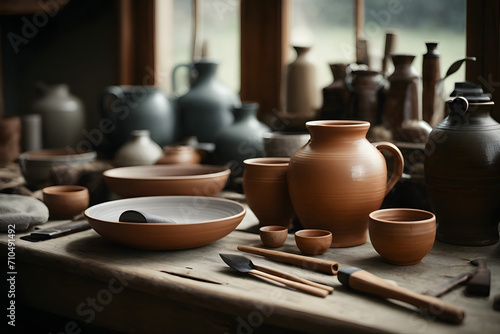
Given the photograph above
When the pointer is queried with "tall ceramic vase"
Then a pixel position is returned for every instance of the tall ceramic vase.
(302, 95)
(339, 177)
(401, 103)
(462, 174)
(335, 95)
(207, 107)
(432, 86)
(63, 116)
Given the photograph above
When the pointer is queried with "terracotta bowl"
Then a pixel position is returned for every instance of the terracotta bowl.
(199, 221)
(312, 241)
(66, 201)
(36, 165)
(273, 236)
(402, 236)
(266, 190)
(163, 180)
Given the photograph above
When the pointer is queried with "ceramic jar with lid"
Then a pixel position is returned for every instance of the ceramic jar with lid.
(462, 172)
(339, 177)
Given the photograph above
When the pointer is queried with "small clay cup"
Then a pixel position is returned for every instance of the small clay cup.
(65, 202)
(312, 241)
(402, 236)
(266, 190)
(273, 235)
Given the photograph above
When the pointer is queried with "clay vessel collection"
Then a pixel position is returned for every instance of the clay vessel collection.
(402, 236)
(266, 190)
(65, 202)
(339, 177)
(462, 172)
(273, 235)
(313, 241)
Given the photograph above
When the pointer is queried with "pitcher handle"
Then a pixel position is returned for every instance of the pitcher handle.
(174, 81)
(398, 163)
(115, 92)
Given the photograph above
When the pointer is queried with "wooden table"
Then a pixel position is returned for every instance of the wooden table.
(87, 278)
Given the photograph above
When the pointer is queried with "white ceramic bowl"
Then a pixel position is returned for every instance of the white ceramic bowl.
(200, 221)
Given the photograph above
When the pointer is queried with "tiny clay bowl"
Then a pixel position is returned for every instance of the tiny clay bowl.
(312, 241)
(65, 202)
(273, 235)
(402, 236)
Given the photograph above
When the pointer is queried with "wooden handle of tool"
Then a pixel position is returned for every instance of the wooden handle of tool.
(369, 283)
(296, 285)
(295, 278)
(325, 266)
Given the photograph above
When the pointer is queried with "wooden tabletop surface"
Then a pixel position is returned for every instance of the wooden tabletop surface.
(234, 301)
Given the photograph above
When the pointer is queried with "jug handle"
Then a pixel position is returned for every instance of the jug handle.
(111, 91)
(397, 172)
(174, 71)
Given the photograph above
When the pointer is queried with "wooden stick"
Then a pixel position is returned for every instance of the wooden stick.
(295, 278)
(366, 282)
(325, 266)
(296, 285)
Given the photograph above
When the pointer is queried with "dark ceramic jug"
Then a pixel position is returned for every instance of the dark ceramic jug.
(138, 108)
(364, 87)
(206, 108)
(241, 140)
(335, 95)
(462, 173)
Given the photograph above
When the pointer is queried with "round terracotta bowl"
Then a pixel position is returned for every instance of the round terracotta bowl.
(273, 236)
(402, 236)
(266, 190)
(66, 201)
(164, 180)
(199, 221)
(312, 241)
(36, 165)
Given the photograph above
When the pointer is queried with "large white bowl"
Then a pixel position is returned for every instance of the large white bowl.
(200, 221)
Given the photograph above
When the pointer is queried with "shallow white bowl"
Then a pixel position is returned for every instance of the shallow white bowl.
(200, 221)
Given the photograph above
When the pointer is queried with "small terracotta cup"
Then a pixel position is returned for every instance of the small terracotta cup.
(273, 235)
(402, 236)
(312, 241)
(65, 202)
(266, 190)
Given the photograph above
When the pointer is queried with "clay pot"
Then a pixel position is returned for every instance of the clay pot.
(177, 154)
(139, 150)
(402, 236)
(65, 202)
(266, 190)
(432, 86)
(273, 236)
(339, 177)
(462, 174)
(313, 242)
(283, 144)
(364, 87)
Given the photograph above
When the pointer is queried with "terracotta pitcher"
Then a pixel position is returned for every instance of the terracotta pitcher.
(339, 177)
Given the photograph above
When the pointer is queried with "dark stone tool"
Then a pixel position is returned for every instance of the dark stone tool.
(480, 282)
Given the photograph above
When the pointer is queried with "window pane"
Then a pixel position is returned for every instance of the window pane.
(327, 25)
(330, 27)
(417, 22)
